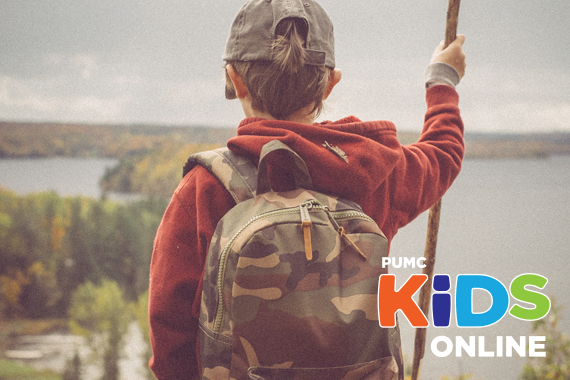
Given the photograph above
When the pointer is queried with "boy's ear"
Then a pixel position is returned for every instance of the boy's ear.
(239, 85)
(334, 78)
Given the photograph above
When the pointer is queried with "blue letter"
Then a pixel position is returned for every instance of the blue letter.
(441, 302)
(464, 287)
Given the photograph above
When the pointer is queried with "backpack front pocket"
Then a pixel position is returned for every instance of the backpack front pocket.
(380, 369)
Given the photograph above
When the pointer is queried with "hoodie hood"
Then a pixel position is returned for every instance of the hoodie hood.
(371, 150)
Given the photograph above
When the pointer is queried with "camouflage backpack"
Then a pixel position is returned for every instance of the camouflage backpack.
(291, 281)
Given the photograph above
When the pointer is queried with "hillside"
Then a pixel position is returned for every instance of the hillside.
(496, 145)
(151, 157)
(18, 140)
(117, 141)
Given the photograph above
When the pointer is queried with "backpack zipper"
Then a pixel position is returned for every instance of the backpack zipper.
(304, 210)
(223, 257)
(306, 225)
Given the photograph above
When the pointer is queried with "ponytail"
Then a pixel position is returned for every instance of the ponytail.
(285, 84)
(288, 46)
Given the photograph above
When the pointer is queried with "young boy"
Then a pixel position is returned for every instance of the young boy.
(280, 65)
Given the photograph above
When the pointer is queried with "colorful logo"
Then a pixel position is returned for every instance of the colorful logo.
(535, 305)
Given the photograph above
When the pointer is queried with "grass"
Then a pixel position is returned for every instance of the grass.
(15, 371)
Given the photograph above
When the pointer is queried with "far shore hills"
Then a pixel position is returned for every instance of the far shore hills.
(42, 140)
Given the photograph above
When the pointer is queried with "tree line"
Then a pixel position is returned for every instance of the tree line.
(152, 173)
(19, 140)
(50, 245)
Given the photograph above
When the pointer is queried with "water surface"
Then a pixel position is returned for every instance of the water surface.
(66, 176)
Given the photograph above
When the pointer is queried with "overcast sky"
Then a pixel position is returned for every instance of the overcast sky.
(159, 62)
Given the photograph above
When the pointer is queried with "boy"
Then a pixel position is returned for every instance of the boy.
(280, 65)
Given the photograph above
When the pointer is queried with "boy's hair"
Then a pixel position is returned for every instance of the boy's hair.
(285, 84)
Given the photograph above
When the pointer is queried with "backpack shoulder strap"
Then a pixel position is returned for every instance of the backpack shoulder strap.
(235, 172)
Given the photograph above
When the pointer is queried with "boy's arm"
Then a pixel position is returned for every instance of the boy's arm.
(179, 253)
(430, 166)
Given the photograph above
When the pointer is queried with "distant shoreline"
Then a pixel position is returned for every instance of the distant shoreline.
(503, 146)
(44, 140)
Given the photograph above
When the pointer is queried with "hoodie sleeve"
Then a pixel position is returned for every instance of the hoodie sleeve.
(177, 264)
(429, 167)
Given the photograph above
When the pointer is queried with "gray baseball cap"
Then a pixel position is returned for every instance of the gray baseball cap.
(253, 31)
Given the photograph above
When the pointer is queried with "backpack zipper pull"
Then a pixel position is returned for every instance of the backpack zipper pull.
(306, 225)
(343, 234)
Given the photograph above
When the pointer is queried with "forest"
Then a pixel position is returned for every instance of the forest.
(19, 140)
(152, 173)
(75, 264)
(50, 245)
(78, 264)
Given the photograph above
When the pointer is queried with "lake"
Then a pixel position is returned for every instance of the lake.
(501, 218)
(65, 176)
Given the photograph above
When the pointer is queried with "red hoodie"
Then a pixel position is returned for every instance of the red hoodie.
(392, 183)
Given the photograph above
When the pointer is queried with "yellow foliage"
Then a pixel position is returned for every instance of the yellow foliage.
(96, 309)
(11, 287)
(5, 220)
(156, 173)
(141, 315)
(36, 269)
(58, 226)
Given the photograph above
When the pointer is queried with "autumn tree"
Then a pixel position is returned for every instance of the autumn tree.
(50, 245)
(141, 315)
(556, 363)
(102, 315)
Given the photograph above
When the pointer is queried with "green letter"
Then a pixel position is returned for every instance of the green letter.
(539, 300)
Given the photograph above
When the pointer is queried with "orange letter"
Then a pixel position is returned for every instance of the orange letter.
(390, 300)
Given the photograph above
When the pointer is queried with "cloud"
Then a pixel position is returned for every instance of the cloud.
(132, 61)
(519, 117)
(37, 99)
(73, 87)
(515, 100)
(84, 64)
(93, 88)
(15, 94)
(85, 88)
(496, 99)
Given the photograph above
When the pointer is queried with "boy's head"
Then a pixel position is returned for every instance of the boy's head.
(283, 50)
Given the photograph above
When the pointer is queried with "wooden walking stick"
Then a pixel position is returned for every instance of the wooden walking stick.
(433, 223)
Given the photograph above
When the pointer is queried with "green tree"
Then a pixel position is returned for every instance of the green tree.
(101, 314)
(50, 245)
(41, 292)
(141, 315)
(556, 364)
(145, 219)
(154, 172)
(31, 231)
(98, 237)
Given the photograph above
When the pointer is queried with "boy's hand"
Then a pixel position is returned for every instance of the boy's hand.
(453, 55)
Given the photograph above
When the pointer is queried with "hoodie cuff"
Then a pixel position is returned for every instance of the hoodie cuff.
(441, 73)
